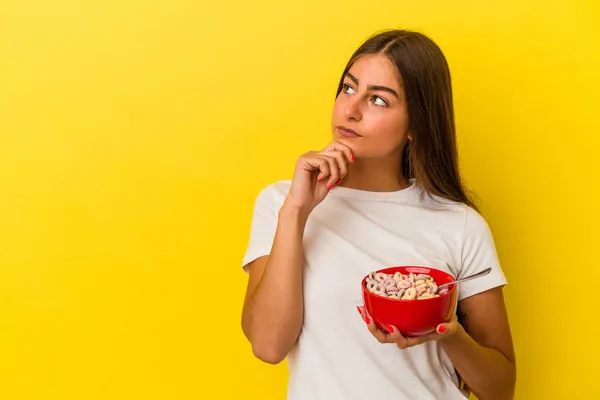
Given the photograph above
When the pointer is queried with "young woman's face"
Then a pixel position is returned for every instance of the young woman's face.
(370, 114)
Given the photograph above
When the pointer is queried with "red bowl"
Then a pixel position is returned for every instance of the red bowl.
(411, 317)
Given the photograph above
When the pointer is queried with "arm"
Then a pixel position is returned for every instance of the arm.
(482, 349)
(273, 308)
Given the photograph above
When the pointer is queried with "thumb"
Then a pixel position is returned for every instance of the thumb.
(449, 327)
(445, 329)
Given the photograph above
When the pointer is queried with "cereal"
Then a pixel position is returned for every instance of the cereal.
(404, 284)
(422, 286)
(390, 283)
(410, 294)
(404, 287)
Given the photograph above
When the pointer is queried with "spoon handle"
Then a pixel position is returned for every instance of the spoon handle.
(466, 278)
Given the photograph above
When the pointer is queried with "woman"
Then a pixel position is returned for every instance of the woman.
(386, 192)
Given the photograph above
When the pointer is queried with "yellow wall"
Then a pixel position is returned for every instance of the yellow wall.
(134, 136)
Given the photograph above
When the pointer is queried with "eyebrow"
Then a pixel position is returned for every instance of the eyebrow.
(373, 87)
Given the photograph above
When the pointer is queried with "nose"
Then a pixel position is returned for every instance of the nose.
(352, 110)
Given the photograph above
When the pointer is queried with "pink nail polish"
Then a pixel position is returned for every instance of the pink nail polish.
(352, 157)
(330, 187)
(367, 319)
(441, 329)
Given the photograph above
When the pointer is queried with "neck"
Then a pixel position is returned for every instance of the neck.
(375, 175)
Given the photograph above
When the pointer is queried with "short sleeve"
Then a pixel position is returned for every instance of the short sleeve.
(263, 225)
(478, 253)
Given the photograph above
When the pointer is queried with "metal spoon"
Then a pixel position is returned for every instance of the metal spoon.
(466, 278)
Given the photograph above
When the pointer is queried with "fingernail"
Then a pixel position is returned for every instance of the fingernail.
(339, 181)
(390, 328)
(441, 329)
(320, 180)
(359, 311)
(367, 319)
(330, 187)
(352, 157)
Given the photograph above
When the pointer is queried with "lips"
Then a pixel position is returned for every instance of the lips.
(347, 132)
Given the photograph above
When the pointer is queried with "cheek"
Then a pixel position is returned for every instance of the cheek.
(338, 108)
(391, 128)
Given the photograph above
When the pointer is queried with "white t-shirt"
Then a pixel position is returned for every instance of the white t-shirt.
(348, 235)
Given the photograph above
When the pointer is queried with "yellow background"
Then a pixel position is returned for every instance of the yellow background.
(134, 136)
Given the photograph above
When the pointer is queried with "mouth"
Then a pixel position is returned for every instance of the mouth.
(347, 132)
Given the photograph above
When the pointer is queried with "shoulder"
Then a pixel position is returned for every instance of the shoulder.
(462, 216)
(474, 223)
(273, 195)
(276, 189)
(442, 206)
(470, 220)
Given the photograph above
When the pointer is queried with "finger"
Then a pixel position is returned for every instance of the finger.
(379, 335)
(363, 314)
(397, 337)
(442, 330)
(360, 311)
(414, 341)
(342, 163)
(448, 328)
(337, 146)
(334, 171)
(316, 162)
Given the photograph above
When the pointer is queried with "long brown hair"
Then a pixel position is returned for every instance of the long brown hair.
(432, 156)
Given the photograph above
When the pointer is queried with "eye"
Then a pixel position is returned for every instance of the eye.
(347, 89)
(378, 101)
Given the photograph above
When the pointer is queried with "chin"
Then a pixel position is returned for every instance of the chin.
(357, 150)
(351, 143)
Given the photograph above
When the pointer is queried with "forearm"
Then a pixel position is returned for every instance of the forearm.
(273, 314)
(487, 372)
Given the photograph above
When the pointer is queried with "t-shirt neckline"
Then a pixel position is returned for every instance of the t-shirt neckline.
(369, 195)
